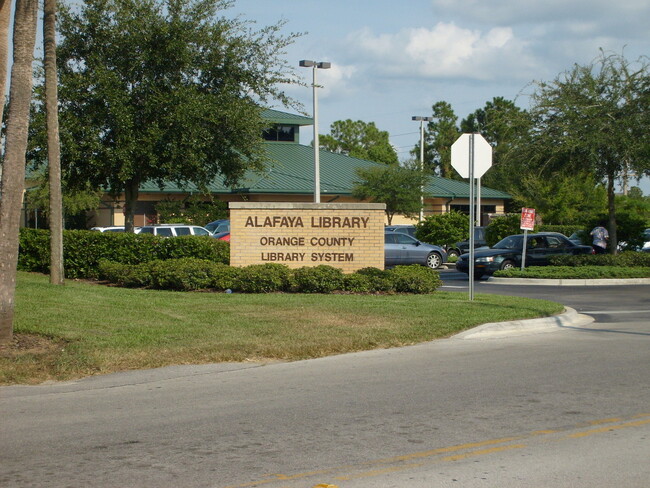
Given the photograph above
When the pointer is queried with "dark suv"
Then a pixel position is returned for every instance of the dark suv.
(463, 246)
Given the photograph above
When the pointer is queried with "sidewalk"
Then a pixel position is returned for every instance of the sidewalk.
(569, 318)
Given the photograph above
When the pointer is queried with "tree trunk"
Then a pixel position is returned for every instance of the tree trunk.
(5, 14)
(13, 181)
(611, 206)
(131, 190)
(53, 146)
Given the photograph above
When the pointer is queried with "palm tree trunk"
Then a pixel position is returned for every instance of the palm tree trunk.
(13, 181)
(611, 207)
(53, 146)
(5, 15)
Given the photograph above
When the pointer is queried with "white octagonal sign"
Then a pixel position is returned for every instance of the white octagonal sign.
(460, 156)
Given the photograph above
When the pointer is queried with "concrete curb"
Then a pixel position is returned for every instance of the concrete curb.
(567, 282)
(569, 318)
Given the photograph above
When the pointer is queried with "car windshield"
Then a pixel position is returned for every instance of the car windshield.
(510, 242)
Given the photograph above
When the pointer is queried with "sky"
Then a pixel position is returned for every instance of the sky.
(393, 60)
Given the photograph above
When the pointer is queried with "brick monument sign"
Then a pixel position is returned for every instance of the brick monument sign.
(349, 236)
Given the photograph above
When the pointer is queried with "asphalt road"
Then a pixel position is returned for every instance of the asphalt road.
(564, 408)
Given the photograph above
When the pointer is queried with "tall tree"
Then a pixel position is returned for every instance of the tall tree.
(501, 122)
(5, 16)
(595, 118)
(440, 134)
(560, 198)
(164, 90)
(396, 186)
(53, 146)
(13, 177)
(360, 140)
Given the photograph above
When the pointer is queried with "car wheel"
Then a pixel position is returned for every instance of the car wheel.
(452, 253)
(507, 264)
(434, 260)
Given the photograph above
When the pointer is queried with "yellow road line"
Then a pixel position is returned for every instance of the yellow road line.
(482, 452)
(609, 428)
(443, 450)
(401, 460)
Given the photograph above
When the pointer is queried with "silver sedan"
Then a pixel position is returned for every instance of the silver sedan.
(402, 249)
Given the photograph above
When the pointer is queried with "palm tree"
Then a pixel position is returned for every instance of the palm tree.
(5, 14)
(13, 178)
(53, 146)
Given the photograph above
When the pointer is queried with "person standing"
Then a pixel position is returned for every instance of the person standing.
(599, 235)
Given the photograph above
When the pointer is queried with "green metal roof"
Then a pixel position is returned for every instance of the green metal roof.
(284, 118)
(290, 170)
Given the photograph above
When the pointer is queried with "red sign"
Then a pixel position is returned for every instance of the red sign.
(527, 219)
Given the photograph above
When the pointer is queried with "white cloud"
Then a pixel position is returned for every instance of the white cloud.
(514, 12)
(445, 51)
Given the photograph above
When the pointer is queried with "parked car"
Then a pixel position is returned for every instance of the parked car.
(224, 236)
(402, 249)
(174, 230)
(507, 253)
(403, 228)
(646, 244)
(576, 237)
(463, 246)
(110, 228)
(218, 226)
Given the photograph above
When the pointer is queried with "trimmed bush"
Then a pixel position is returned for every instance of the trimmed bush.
(127, 275)
(82, 250)
(184, 274)
(380, 280)
(318, 279)
(415, 279)
(34, 250)
(263, 278)
(580, 272)
(223, 276)
(189, 274)
(624, 259)
(357, 283)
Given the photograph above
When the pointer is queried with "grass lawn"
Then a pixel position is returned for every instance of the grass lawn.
(83, 328)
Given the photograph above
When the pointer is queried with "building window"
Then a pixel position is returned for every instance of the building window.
(282, 133)
(465, 209)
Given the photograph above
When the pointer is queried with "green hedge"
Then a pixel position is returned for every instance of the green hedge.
(567, 230)
(188, 274)
(580, 272)
(624, 259)
(82, 250)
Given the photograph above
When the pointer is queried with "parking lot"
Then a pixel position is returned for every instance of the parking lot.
(609, 303)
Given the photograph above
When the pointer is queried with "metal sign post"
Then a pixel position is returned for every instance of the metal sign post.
(471, 157)
(527, 223)
(523, 251)
(471, 217)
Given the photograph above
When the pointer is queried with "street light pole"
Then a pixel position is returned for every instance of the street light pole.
(316, 65)
(422, 121)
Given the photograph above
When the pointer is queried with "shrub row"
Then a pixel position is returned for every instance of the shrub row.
(624, 259)
(580, 272)
(82, 250)
(188, 274)
(567, 230)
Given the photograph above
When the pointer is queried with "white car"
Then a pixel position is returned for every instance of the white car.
(111, 228)
(173, 230)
